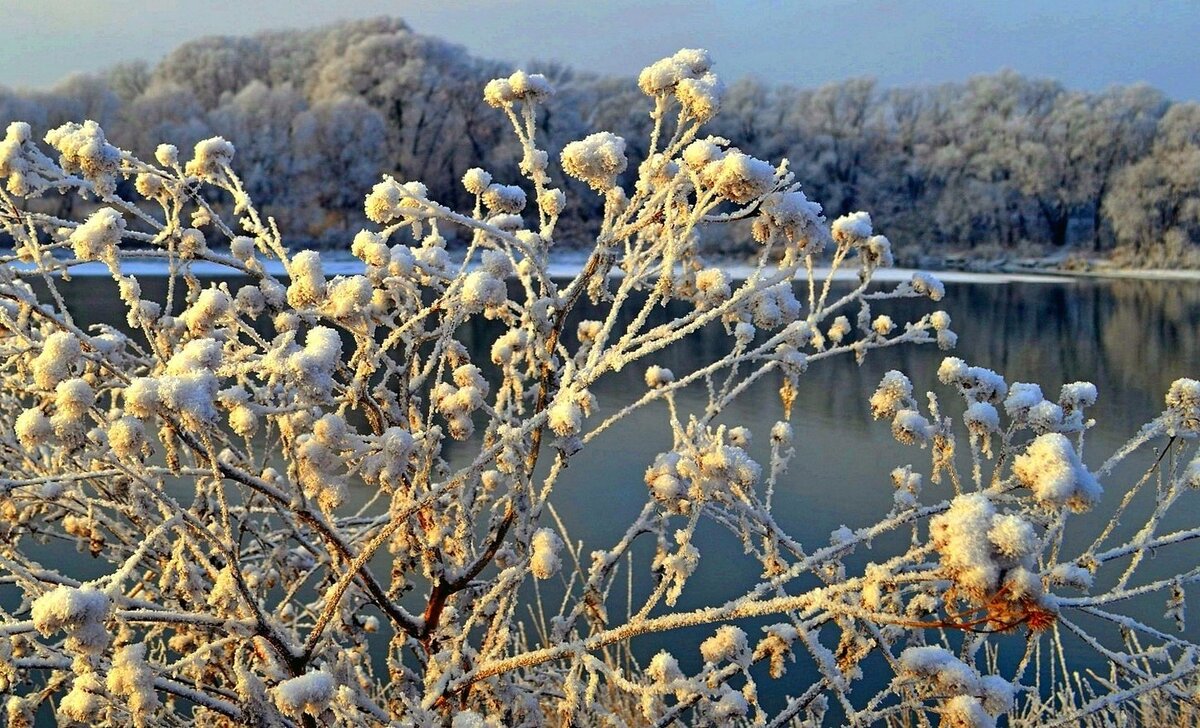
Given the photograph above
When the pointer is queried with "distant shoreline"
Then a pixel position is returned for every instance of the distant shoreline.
(567, 265)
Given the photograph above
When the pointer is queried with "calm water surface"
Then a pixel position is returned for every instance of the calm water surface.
(1131, 338)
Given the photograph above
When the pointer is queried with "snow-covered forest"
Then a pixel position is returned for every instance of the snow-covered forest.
(1001, 165)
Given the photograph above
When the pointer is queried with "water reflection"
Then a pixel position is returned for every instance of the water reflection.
(1131, 338)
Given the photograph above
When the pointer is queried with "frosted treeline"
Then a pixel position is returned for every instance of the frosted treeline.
(1002, 164)
(315, 505)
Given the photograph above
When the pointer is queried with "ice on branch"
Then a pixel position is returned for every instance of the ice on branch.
(307, 694)
(520, 86)
(83, 148)
(1051, 468)
(210, 158)
(97, 238)
(596, 160)
(544, 561)
(80, 612)
(663, 75)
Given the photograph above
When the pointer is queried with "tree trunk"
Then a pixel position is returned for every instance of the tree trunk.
(1058, 230)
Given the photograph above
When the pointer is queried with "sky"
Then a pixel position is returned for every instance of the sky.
(1086, 44)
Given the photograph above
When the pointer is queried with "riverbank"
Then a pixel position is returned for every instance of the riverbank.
(568, 263)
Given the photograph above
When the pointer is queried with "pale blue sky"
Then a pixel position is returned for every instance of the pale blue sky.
(1086, 44)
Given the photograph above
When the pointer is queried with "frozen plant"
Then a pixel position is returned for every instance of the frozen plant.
(260, 463)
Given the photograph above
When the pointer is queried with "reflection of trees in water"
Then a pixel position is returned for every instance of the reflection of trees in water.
(1131, 337)
(1151, 332)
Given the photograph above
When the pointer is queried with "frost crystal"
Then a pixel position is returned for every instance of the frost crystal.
(596, 159)
(309, 693)
(84, 149)
(476, 181)
(728, 644)
(739, 177)
(543, 557)
(97, 238)
(852, 229)
(209, 156)
(961, 537)
(663, 75)
(893, 394)
(80, 613)
(1051, 468)
(504, 198)
(1021, 398)
(700, 97)
(132, 679)
(926, 284)
(61, 354)
(308, 279)
(482, 290)
(657, 376)
(1183, 402)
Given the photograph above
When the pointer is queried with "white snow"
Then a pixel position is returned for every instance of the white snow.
(596, 159)
(565, 416)
(476, 180)
(966, 711)
(563, 265)
(1022, 396)
(852, 228)
(131, 678)
(84, 149)
(728, 644)
(739, 177)
(664, 74)
(700, 97)
(33, 427)
(961, 538)
(544, 561)
(80, 612)
(210, 307)
(126, 436)
(504, 198)
(307, 286)
(893, 393)
(1183, 402)
(314, 364)
(982, 416)
(141, 396)
(74, 395)
(713, 286)
(1045, 417)
(1077, 394)
(480, 289)
(208, 156)
(657, 376)
(910, 427)
(308, 693)
(61, 353)
(519, 86)
(192, 394)
(1051, 468)
(98, 236)
(1013, 536)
